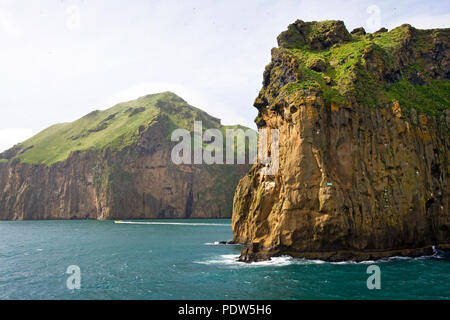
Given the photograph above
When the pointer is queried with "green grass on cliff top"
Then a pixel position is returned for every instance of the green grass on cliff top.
(113, 128)
(346, 74)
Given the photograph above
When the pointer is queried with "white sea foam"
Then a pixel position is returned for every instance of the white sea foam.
(217, 243)
(226, 259)
(435, 255)
(174, 223)
(352, 262)
(275, 261)
(232, 260)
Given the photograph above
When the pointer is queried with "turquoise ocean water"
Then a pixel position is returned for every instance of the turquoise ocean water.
(178, 259)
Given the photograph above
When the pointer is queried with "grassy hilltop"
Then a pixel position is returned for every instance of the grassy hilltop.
(114, 128)
(374, 69)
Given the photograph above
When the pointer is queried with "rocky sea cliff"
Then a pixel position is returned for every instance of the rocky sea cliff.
(363, 124)
(116, 164)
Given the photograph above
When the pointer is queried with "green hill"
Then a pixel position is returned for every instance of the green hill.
(117, 164)
(114, 128)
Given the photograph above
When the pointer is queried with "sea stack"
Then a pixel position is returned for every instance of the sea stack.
(363, 123)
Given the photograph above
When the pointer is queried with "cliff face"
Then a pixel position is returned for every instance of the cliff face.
(364, 141)
(87, 169)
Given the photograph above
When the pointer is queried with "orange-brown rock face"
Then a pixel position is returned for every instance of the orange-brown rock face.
(355, 181)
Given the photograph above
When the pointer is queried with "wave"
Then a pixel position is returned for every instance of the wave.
(232, 260)
(436, 255)
(215, 243)
(175, 223)
(218, 243)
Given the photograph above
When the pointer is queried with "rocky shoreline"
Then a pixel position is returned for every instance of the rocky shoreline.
(254, 253)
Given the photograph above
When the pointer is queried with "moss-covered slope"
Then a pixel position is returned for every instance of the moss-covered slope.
(114, 128)
(405, 65)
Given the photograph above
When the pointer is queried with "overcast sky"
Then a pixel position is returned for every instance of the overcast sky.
(61, 59)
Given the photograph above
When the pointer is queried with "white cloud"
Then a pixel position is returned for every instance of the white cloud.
(73, 17)
(10, 137)
(6, 26)
(423, 21)
(60, 59)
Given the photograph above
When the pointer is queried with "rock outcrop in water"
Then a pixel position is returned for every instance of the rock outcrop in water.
(363, 124)
(116, 164)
